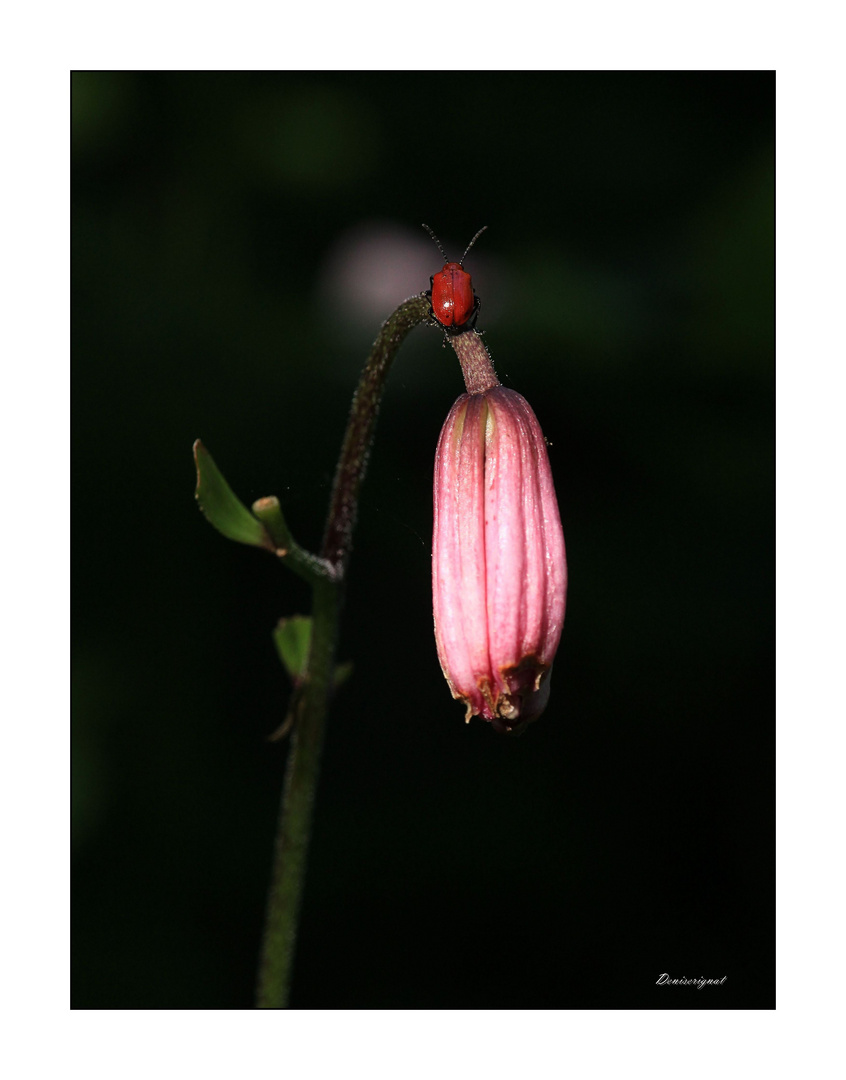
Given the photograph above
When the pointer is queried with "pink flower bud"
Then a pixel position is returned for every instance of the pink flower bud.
(499, 571)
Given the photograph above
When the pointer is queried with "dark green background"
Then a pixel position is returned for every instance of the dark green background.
(627, 281)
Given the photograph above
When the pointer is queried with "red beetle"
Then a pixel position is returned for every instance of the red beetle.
(454, 303)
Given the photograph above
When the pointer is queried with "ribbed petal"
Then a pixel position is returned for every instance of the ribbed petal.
(524, 545)
(458, 552)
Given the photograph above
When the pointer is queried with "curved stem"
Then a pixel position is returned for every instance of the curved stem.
(294, 828)
(360, 427)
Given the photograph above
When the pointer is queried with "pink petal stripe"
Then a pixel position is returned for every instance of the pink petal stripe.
(458, 551)
(526, 566)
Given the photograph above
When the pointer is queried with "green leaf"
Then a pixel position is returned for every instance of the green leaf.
(292, 638)
(222, 507)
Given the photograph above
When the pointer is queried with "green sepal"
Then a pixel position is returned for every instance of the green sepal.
(222, 507)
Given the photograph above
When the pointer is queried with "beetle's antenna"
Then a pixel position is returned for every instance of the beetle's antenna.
(437, 241)
(472, 242)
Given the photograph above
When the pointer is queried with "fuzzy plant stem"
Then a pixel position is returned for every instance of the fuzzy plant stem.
(295, 813)
(476, 364)
(295, 816)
